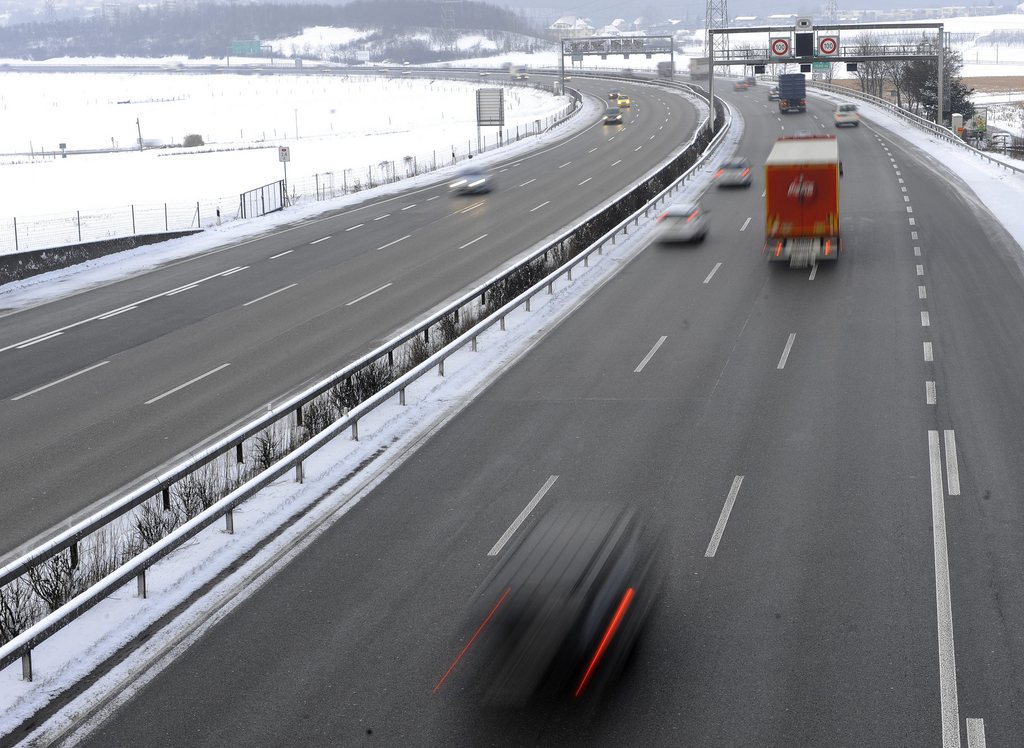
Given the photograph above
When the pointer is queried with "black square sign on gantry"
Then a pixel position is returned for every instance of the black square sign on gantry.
(803, 45)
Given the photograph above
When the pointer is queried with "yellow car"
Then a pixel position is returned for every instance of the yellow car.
(623, 101)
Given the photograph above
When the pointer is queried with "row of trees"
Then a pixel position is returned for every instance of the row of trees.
(207, 29)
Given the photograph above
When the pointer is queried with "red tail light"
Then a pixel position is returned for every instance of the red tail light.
(778, 249)
(828, 247)
(719, 172)
(746, 172)
(692, 216)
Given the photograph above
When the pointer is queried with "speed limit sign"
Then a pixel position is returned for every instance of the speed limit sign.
(780, 47)
(828, 45)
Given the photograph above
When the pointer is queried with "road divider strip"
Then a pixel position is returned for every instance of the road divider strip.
(507, 535)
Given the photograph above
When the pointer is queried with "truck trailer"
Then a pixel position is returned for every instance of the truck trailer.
(792, 93)
(801, 178)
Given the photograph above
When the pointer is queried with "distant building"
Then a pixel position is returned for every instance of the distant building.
(571, 27)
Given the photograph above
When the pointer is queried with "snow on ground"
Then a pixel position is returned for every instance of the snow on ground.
(342, 122)
(72, 653)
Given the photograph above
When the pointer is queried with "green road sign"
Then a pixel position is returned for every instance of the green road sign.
(820, 67)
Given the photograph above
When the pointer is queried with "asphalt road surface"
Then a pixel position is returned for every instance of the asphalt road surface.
(832, 455)
(103, 388)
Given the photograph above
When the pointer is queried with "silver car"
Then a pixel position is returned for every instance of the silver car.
(734, 173)
(683, 222)
(472, 181)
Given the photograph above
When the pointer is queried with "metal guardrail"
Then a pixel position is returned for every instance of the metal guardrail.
(21, 646)
(914, 119)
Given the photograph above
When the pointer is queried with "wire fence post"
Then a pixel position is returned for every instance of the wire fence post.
(166, 224)
(133, 219)
(15, 234)
(78, 213)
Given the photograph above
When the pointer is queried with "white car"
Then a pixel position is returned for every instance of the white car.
(846, 114)
(683, 222)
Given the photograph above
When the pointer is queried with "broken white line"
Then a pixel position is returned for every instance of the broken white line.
(183, 386)
(650, 354)
(282, 254)
(952, 471)
(786, 350)
(929, 393)
(267, 296)
(522, 516)
(357, 226)
(473, 242)
(368, 295)
(62, 379)
(928, 354)
(745, 224)
(730, 500)
(317, 241)
(528, 181)
(712, 273)
(389, 244)
(584, 181)
(540, 206)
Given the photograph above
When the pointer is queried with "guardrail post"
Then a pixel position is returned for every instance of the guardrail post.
(401, 396)
(229, 522)
(166, 494)
(73, 553)
(355, 431)
(569, 273)
(26, 666)
(141, 583)
(502, 327)
(528, 299)
(586, 260)
(391, 359)
(239, 457)
(440, 368)
(551, 287)
(299, 473)
(474, 344)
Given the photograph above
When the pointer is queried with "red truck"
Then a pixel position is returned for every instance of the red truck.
(801, 179)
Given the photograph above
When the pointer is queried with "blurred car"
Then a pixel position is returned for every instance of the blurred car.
(740, 85)
(613, 116)
(734, 173)
(773, 93)
(624, 101)
(683, 222)
(846, 114)
(483, 73)
(559, 616)
(472, 180)
(750, 80)
(613, 95)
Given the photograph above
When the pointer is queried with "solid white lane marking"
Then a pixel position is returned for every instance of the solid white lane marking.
(59, 381)
(925, 320)
(317, 241)
(920, 269)
(386, 215)
(952, 471)
(267, 296)
(617, 162)
(540, 206)
(522, 516)
(357, 226)
(183, 386)
(473, 242)
(116, 312)
(232, 271)
(814, 272)
(922, 292)
(650, 354)
(584, 181)
(928, 353)
(528, 181)
(182, 289)
(409, 206)
(712, 273)
(929, 393)
(786, 350)
(390, 244)
(975, 732)
(943, 603)
(745, 224)
(368, 295)
(730, 500)
(565, 164)
(281, 254)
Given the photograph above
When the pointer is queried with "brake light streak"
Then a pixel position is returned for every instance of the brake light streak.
(472, 639)
(620, 613)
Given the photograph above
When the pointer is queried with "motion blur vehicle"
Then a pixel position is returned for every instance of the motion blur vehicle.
(750, 80)
(472, 180)
(624, 101)
(613, 95)
(613, 116)
(683, 222)
(773, 93)
(734, 173)
(740, 85)
(559, 616)
(846, 114)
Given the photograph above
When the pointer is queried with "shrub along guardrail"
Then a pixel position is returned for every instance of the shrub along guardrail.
(66, 576)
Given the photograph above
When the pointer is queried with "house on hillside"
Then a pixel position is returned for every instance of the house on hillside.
(571, 27)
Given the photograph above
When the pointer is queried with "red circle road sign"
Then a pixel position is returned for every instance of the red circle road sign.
(780, 47)
(828, 45)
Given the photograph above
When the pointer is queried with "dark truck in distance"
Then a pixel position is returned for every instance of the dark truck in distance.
(666, 69)
(792, 92)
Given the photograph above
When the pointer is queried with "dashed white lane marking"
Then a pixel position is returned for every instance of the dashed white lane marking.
(925, 321)
(617, 162)
(368, 295)
(814, 272)
(116, 312)
(182, 289)
(507, 535)
(650, 354)
(482, 236)
(540, 206)
(745, 224)
(59, 381)
(723, 518)
(386, 215)
(591, 150)
(232, 271)
(409, 206)
(272, 293)
(282, 254)
(904, 189)
(952, 470)
(906, 199)
(920, 269)
(637, 148)
(584, 181)
(913, 235)
(429, 199)
(917, 251)
(357, 226)
(910, 209)
(943, 602)
(565, 164)
(712, 273)
(928, 354)
(929, 393)
(186, 384)
(975, 732)
(391, 244)
(528, 181)
(315, 241)
(912, 221)
(922, 292)
(786, 350)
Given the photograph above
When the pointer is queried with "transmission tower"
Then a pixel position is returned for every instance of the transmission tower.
(831, 11)
(717, 17)
(448, 12)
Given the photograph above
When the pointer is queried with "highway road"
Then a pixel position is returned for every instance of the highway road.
(832, 456)
(104, 387)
